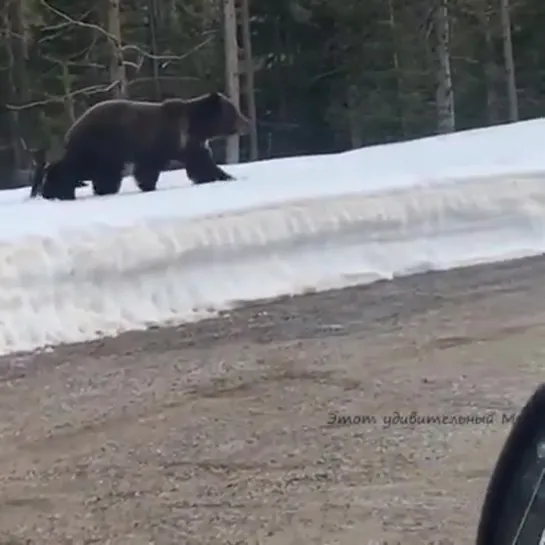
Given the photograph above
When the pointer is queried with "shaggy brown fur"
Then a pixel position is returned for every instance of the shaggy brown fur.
(149, 135)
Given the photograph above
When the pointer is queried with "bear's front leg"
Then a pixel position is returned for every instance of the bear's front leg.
(107, 179)
(146, 176)
(223, 176)
(201, 167)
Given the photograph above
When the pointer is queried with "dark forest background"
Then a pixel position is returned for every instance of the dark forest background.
(321, 75)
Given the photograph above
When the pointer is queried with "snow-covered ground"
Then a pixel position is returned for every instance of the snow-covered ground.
(100, 266)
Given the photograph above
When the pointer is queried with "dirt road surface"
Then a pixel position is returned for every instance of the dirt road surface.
(220, 432)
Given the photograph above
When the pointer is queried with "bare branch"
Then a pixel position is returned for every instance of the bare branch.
(70, 60)
(128, 47)
(62, 26)
(75, 22)
(80, 64)
(93, 89)
(137, 67)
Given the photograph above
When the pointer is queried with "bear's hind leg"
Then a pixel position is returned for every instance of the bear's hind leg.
(146, 176)
(59, 183)
(107, 179)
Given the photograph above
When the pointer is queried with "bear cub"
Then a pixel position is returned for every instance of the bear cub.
(149, 135)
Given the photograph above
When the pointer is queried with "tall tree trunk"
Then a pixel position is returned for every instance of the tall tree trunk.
(353, 117)
(69, 105)
(232, 74)
(490, 71)
(397, 67)
(446, 121)
(509, 61)
(18, 76)
(152, 25)
(117, 66)
(250, 80)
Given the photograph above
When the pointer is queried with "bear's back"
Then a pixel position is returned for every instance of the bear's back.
(117, 126)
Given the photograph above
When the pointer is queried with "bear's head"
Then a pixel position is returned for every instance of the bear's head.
(214, 116)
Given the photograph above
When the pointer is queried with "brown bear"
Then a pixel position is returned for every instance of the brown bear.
(149, 135)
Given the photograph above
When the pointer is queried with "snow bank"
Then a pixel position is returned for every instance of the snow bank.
(98, 282)
(100, 266)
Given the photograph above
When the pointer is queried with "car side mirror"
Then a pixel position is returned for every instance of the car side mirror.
(513, 511)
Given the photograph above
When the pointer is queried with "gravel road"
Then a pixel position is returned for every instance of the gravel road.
(275, 423)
